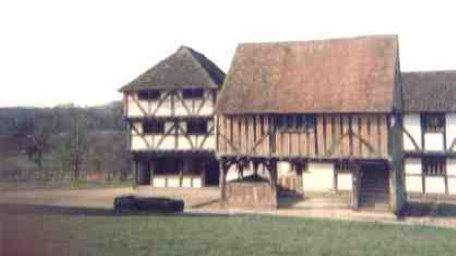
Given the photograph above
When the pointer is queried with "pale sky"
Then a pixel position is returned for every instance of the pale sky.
(82, 51)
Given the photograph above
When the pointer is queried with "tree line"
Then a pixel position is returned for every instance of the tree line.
(64, 142)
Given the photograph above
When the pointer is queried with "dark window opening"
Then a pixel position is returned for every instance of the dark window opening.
(434, 166)
(295, 123)
(168, 166)
(342, 166)
(433, 122)
(149, 95)
(193, 93)
(197, 127)
(153, 127)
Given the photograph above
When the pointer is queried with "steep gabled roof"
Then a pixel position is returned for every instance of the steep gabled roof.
(338, 75)
(432, 91)
(184, 68)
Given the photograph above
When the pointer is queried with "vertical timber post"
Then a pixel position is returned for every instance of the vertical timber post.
(222, 180)
(356, 186)
(152, 171)
(136, 172)
(273, 177)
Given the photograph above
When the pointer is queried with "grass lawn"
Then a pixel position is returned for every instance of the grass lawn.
(218, 235)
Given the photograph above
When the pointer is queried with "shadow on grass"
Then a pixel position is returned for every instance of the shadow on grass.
(430, 209)
(23, 209)
(284, 202)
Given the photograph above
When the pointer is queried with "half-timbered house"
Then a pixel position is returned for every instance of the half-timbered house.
(169, 110)
(429, 132)
(328, 110)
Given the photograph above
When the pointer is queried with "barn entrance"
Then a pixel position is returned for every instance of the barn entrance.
(374, 187)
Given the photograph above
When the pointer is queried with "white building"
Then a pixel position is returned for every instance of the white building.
(169, 110)
(429, 132)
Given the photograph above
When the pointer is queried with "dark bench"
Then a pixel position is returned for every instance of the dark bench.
(147, 204)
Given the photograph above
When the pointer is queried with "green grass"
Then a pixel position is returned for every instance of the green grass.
(222, 235)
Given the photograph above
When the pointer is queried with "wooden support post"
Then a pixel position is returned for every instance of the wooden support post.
(356, 186)
(255, 168)
(152, 171)
(181, 164)
(299, 168)
(241, 170)
(203, 172)
(222, 180)
(136, 172)
(273, 178)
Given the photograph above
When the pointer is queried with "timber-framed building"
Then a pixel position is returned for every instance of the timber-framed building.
(329, 109)
(430, 133)
(169, 110)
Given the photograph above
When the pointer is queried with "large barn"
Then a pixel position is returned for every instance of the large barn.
(329, 109)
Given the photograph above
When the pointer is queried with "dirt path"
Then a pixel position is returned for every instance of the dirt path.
(197, 201)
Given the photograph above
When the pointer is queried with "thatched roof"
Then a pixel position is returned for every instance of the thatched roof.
(338, 75)
(184, 68)
(433, 91)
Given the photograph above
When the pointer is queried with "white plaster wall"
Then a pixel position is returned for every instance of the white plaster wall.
(164, 109)
(187, 182)
(451, 172)
(451, 166)
(137, 128)
(173, 182)
(435, 185)
(450, 128)
(413, 166)
(167, 143)
(344, 181)
(452, 185)
(413, 184)
(283, 168)
(183, 143)
(318, 177)
(433, 141)
(138, 143)
(209, 144)
(159, 182)
(412, 124)
(232, 173)
(197, 182)
(413, 181)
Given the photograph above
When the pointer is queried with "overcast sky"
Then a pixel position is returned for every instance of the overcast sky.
(81, 51)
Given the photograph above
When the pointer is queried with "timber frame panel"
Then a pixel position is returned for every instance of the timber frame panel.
(331, 136)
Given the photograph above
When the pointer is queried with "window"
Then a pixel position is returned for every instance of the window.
(153, 127)
(149, 95)
(342, 166)
(434, 166)
(433, 122)
(295, 123)
(193, 93)
(197, 127)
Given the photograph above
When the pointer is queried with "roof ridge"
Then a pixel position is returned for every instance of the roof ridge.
(200, 58)
(194, 58)
(322, 40)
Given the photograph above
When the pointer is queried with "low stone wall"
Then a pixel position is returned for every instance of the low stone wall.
(250, 195)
